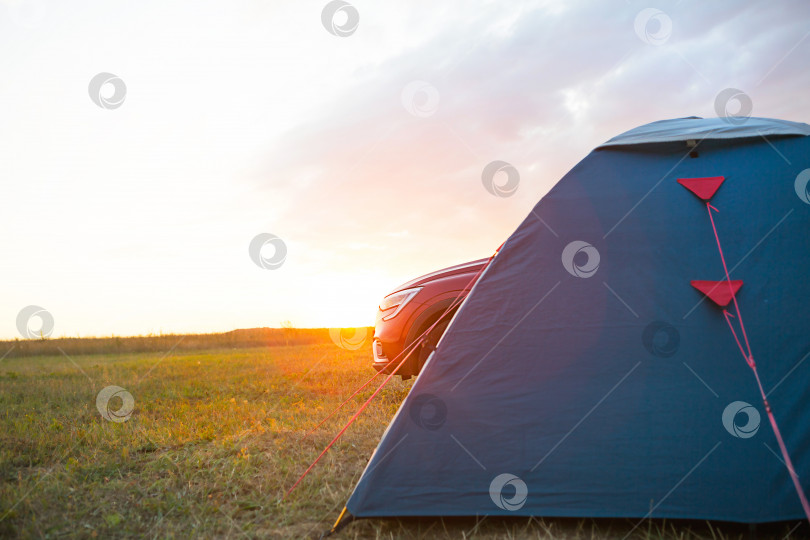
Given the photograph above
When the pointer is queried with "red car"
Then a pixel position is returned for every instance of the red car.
(412, 308)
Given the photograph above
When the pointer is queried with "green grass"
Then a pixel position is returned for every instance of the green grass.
(214, 442)
(162, 343)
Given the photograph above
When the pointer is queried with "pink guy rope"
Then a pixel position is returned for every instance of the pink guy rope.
(412, 348)
(749, 359)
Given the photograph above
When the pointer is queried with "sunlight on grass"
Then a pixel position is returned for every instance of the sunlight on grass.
(214, 442)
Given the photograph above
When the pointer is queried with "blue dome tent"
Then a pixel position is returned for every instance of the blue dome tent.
(602, 364)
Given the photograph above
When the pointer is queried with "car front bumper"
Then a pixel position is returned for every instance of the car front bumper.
(381, 361)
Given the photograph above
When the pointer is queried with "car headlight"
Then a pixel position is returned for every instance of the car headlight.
(393, 303)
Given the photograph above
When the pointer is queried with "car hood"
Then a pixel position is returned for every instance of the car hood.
(459, 269)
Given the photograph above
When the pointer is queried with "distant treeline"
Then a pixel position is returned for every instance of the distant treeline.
(236, 339)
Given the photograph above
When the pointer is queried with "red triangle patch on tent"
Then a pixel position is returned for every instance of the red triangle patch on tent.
(718, 292)
(704, 188)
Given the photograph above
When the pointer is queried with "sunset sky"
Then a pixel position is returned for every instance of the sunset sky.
(363, 153)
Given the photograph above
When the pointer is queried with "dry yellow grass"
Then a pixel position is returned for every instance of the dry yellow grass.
(213, 443)
(163, 343)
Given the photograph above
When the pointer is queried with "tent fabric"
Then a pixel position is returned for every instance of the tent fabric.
(585, 376)
(696, 128)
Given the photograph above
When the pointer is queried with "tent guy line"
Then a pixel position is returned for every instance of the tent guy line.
(749, 358)
(344, 402)
(405, 354)
(776, 455)
(750, 251)
(551, 381)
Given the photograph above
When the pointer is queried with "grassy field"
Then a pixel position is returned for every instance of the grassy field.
(163, 343)
(213, 442)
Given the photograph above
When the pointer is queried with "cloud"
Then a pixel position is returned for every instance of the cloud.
(537, 89)
(244, 118)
